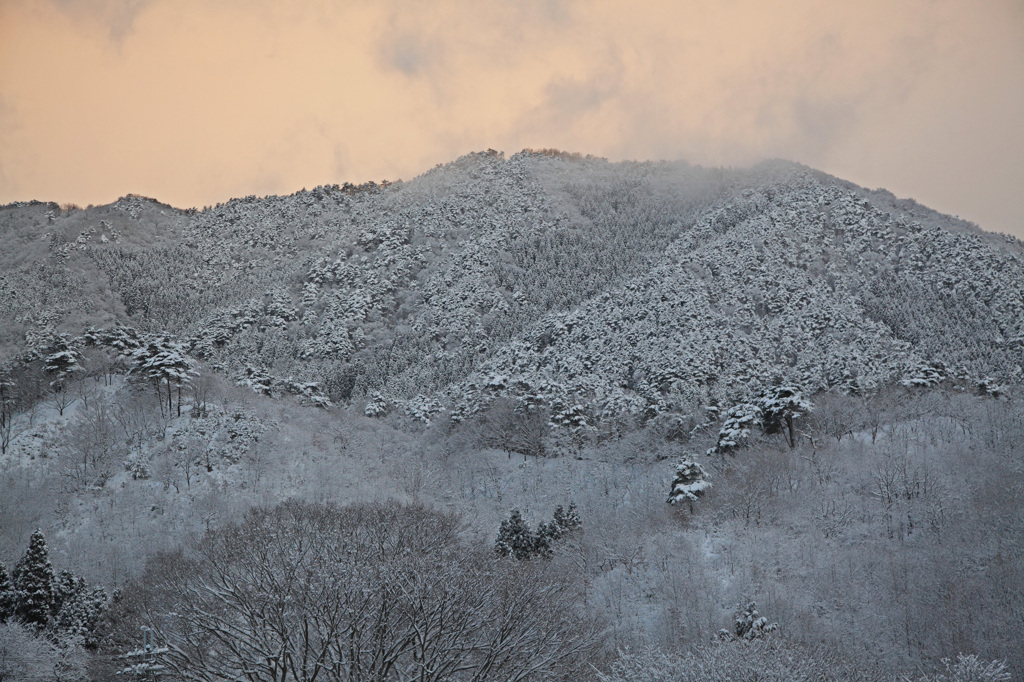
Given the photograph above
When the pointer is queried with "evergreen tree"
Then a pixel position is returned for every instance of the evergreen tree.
(736, 428)
(567, 521)
(563, 523)
(76, 609)
(544, 539)
(33, 584)
(62, 359)
(750, 624)
(515, 538)
(689, 484)
(6, 595)
(377, 406)
(165, 363)
(779, 410)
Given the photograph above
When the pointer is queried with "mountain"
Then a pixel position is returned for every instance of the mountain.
(823, 381)
(611, 288)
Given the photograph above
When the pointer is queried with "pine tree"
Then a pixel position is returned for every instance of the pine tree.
(377, 406)
(62, 360)
(164, 362)
(736, 428)
(779, 410)
(76, 609)
(567, 521)
(689, 484)
(33, 584)
(515, 539)
(6, 595)
(750, 624)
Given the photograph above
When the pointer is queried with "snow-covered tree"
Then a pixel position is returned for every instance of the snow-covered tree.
(421, 408)
(166, 364)
(515, 538)
(8, 409)
(690, 483)
(258, 379)
(372, 592)
(567, 520)
(62, 361)
(76, 609)
(750, 624)
(562, 525)
(512, 427)
(376, 406)
(64, 608)
(27, 656)
(780, 408)
(925, 375)
(7, 595)
(735, 429)
(311, 392)
(33, 584)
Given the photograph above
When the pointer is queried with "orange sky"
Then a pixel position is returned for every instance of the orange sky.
(197, 101)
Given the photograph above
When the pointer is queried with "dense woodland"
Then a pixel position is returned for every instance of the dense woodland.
(535, 418)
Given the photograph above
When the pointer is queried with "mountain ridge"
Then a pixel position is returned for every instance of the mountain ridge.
(488, 273)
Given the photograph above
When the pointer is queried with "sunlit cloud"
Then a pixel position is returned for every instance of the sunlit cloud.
(195, 102)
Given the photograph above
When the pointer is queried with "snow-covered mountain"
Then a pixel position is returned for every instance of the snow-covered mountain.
(679, 323)
(597, 289)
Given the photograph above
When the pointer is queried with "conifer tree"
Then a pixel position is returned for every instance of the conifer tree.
(33, 584)
(165, 363)
(750, 624)
(567, 521)
(515, 538)
(736, 428)
(562, 524)
(689, 484)
(779, 410)
(62, 359)
(76, 609)
(6, 595)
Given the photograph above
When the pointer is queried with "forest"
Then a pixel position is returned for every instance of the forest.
(536, 418)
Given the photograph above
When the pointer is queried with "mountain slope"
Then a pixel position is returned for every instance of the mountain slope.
(612, 288)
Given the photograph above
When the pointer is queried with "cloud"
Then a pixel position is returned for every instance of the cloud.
(568, 100)
(116, 16)
(197, 101)
(410, 53)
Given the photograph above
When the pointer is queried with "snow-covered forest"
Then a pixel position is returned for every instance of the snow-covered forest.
(536, 418)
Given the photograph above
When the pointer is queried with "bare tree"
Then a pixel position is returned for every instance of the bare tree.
(510, 428)
(382, 592)
(9, 417)
(879, 410)
(837, 415)
(92, 443)
(29, 657)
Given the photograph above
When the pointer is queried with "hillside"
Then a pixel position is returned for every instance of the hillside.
(448, 413)
(636, 288)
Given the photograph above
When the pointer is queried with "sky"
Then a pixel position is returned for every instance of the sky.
(193, 102)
